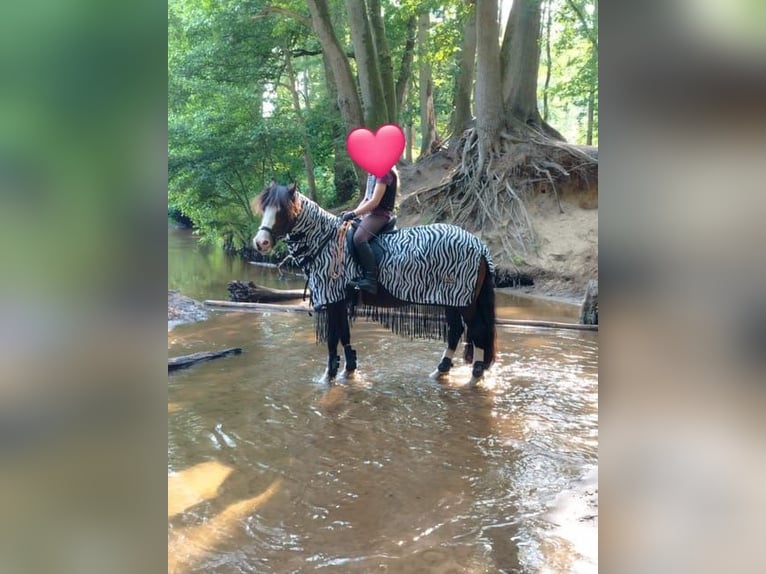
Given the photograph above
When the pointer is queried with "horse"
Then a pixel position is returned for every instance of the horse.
(435, 281)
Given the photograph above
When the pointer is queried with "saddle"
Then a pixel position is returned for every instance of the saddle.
(390, 227)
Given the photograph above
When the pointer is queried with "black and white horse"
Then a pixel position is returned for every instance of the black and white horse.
(436, 281)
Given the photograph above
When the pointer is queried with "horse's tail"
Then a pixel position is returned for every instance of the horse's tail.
(486, 310)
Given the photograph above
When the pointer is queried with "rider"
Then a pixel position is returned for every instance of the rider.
(376, 209)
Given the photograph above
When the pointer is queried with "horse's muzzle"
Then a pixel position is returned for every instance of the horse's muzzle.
(262, 241)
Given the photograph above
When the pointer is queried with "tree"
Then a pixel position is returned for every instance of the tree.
(348, 99)
(572, 89)
(490, 117)
(463, 90)
(224, 143)
(370, 80)
(308, 159)
(384, 57)
(511, 149)
(403, 81)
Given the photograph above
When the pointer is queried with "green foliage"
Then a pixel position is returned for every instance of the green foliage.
(224, 142)
(232, 126)
(574, 37)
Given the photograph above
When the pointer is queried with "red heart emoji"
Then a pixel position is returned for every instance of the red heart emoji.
(376, 152)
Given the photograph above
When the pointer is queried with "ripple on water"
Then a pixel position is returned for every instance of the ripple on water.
(390, 469)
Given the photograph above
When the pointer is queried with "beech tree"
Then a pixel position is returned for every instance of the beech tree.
(463, 91)
(511, 149)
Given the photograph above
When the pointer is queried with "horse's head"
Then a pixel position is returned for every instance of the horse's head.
(279, 206)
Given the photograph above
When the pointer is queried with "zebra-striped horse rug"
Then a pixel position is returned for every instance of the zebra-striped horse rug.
(426, 267)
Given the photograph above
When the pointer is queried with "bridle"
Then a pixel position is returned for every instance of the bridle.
(268, 229)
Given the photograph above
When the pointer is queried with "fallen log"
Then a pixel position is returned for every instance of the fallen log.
(545, 324)
(175, 363)
(305, 309)
(252, 293)
(257, 306)
(589, 306)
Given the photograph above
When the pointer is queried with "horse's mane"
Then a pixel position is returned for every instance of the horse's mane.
(280, 197)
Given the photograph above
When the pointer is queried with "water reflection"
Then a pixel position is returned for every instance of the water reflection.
(203, 271)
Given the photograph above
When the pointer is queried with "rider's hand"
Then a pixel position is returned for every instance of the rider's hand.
(348, 215)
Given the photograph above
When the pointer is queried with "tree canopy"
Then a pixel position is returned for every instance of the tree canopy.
(262, 89)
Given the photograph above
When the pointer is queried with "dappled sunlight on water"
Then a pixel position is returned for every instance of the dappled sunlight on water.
(187, 546)
(193, 485)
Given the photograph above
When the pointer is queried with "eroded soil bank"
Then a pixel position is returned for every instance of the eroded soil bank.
(564, 256)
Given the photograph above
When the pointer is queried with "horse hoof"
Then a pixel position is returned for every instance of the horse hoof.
(327, 379)
(438, 375)
(442, 369)
(477, 373)
(349, 374)
(332, 368)
(350, 356)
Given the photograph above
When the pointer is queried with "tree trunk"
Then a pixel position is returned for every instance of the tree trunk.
(489, 105)
(371, 86)
(427, 116)
(591, 105)
(461, 114)
(384, 58)
(308, 159)
(548, 59)
(346, 174)
(403, 82)
(409, 137)
(520, 76)
(348, 98)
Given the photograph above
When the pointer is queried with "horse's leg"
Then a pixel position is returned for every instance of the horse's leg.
(344, 333)
(333, 335)
(454, 332)
(480, 318)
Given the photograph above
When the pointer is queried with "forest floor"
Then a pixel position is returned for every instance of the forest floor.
(565, 255)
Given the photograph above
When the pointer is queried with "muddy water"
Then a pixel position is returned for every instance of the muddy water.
(270, 470)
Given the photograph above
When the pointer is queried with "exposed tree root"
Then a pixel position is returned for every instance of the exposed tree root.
(487, 195)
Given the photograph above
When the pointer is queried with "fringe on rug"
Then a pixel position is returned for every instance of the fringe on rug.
(413, 321)
(320, 324)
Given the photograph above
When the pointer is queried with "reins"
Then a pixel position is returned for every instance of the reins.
(336, 261)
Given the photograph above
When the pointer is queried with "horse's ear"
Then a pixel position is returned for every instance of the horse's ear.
(272, 183)
(291, 188)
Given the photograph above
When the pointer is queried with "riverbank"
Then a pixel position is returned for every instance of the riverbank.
(564, 256)
(183, 309)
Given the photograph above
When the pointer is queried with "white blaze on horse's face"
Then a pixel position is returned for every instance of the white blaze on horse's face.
(263, 241)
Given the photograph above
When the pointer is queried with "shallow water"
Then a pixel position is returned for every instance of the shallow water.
(274, 471)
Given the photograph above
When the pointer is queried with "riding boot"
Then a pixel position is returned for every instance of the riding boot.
(366, 257)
